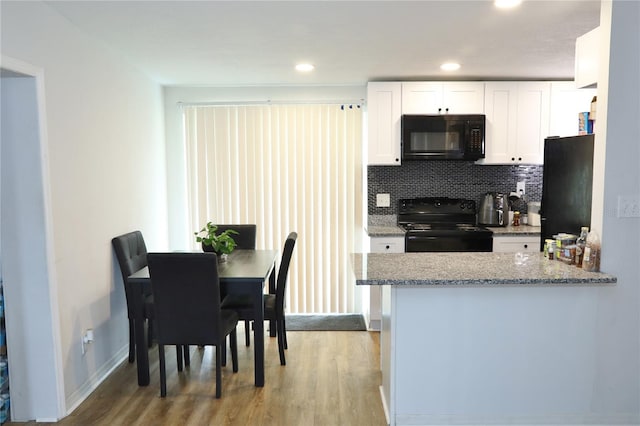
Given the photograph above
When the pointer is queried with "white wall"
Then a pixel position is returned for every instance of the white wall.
(617, 173)
(107, 175)
(179, 236)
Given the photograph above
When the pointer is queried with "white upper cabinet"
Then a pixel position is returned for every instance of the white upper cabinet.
(384, 111)
(501, 110)
(442, 98)
(533, 121)
(566, 102)
(587, 51)
(520, 114)
(517, 122)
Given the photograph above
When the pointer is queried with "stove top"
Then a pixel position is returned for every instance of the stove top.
(436, 211)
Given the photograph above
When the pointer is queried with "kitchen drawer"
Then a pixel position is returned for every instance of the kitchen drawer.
(387, 245)
(514, 244)
(380, 245)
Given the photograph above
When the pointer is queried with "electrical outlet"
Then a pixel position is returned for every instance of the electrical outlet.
(87, 338)
(520, 188)
(628, 206)
(383, 200)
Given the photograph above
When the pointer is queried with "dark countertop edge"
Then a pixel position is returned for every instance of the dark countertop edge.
(493, 282)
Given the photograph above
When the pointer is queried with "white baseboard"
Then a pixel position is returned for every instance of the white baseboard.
(384, 406)
(374, 325)
(550, 420)
(83, 392)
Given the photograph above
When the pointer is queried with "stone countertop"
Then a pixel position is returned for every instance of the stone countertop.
(385, 231)
(515, 230)
(437, 269)
(386, 226)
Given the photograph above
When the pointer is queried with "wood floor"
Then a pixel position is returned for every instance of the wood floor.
(331, 378)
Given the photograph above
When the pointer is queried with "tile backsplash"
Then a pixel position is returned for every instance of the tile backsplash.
(457, 179)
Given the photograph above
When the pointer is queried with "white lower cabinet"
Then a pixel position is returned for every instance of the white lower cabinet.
(516, 243)
(381, 245)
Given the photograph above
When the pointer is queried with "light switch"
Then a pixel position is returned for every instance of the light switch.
(628, 206)
(383, 200)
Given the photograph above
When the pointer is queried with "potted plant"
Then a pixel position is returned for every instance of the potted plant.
(222, 244)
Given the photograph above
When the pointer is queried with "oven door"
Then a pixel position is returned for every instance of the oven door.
(450, 243)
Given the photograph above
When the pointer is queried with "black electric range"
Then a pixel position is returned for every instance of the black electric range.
(442, 224)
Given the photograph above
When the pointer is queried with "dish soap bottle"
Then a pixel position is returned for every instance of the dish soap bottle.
(581, 243)
(591, 256)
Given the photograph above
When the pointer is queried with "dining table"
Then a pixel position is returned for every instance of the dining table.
(243, 272)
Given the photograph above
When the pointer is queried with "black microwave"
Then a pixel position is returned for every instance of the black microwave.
(443, 137)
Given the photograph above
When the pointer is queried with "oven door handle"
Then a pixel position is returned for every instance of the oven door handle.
(421, 237)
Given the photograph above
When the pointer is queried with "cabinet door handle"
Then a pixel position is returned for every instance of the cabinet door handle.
(519, 158)
(513, 158)
(387, 247)
(447, 110)
(526, 246)
(397, 159)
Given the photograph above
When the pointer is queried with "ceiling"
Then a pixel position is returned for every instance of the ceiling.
(246, 43)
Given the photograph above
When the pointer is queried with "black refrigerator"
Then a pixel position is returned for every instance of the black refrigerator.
(567, 176)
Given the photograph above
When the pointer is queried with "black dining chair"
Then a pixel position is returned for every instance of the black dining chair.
(186, 291)
(131, 253)
(245, 239)
(273, 303)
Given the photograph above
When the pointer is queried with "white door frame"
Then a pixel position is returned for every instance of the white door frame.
(27, 262)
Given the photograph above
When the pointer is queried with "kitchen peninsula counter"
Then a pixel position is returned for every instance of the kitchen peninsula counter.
(471, 268)
(486, 338)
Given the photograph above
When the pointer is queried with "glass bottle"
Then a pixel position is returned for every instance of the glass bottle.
(516, 218)
(591, 256)
(550, 249)
(581, 242)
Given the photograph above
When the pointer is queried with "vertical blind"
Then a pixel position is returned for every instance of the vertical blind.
(285, 168)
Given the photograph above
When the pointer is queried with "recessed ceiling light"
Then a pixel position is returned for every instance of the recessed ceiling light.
(450, 66)
(304, 67)
(506, 4)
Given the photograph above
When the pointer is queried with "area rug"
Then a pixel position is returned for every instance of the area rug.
(335, 322)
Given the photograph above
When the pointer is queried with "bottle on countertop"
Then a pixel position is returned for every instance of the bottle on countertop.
(550, 249)
(591, 256)
(581, 243)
